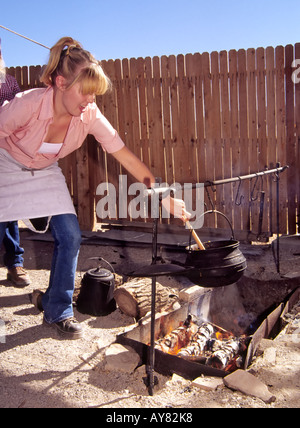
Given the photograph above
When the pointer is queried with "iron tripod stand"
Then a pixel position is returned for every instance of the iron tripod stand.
(151, 379)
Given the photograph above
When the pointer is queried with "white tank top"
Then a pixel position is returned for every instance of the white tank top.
(50, 148)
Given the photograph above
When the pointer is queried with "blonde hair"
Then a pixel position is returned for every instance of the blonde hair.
(75, 64)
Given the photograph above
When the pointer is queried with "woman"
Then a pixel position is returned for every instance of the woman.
(39, 127)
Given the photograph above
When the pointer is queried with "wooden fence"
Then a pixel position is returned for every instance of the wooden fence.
(199, 118)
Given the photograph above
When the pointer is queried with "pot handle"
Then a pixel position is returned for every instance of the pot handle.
(223, 215)
(100, 259)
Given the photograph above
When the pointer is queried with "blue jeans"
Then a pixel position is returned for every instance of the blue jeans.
(57, 300)
(11, 241)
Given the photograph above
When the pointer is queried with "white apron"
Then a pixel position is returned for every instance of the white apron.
(31, 193)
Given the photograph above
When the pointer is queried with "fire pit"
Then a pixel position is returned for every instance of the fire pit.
(206, 344)
(188, 344)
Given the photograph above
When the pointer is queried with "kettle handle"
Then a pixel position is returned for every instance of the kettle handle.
(100, 259)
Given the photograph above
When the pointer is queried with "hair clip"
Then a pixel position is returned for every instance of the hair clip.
(69, 48)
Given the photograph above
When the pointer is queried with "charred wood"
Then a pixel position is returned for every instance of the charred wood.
(177, 339)
(198, 344)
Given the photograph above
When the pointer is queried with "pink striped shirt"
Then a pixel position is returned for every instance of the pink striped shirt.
(25, 120)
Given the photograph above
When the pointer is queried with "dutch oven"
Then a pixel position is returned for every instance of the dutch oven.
(221, 263)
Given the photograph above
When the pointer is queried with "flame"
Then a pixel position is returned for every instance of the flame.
(186, 338)
(223, 335)
(218, 335)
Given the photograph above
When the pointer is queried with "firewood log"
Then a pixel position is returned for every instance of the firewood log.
(134, 297)
(220, 358)
(177, 339)
(198, 344)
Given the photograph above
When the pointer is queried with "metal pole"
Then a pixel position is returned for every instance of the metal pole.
(150, 369)
(277, 209)
(24, 37)
(245, 177)
(167, 190)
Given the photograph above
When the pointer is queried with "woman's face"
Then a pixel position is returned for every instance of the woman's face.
(73, 101)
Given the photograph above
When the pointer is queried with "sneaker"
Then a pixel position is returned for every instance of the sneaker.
(36, 299)
(18, 276)
(68, 328)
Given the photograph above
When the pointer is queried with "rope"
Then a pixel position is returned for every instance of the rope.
(20, 35)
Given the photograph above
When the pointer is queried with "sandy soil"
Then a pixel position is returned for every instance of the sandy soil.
(39, 370)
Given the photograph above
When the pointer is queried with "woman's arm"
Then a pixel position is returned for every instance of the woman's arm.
(141, 173)
(134, 166)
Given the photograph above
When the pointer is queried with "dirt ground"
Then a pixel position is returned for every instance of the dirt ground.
(39, 370)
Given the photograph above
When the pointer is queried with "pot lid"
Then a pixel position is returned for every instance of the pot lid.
(100, 273)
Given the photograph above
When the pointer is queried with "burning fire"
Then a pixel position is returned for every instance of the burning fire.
(205, 343)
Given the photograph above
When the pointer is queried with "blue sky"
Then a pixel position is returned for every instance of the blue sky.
(141, 28)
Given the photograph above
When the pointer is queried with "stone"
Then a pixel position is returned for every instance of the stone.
(208, 383)
(245, 382)
(190, 293)
(121, 358)
(263, 345)
(292, 274)
(270, 356)
(178, 379)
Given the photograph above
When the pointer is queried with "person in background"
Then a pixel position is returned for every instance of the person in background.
(13, 257)
(37, 128)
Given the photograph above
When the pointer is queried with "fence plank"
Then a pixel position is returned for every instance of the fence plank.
(174, 105)
(271, 132)
(209, 142)
(252, 109)
(191, 115)
(217, 142)
(281, 139)
(185, 154)
(24, 81)
(167, 119)
(290, 139)
(243, 140)
(253, 143)
(233, 76)
(85, 210)
(157, 144)
(297, 127)
(111, 105)
(199, 118)
(145, 151)
(261, 109)
(226, 134)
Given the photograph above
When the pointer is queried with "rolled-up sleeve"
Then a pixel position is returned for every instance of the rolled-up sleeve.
(105, 133)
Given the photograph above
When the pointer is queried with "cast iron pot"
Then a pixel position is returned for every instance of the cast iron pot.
(221, 263)
(96, 293)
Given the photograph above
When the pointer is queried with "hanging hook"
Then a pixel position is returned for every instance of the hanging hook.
(238, 203)
(276, 173)
(252, 198)
(213, 189)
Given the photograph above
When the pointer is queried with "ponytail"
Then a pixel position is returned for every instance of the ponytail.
(70, 60)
